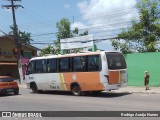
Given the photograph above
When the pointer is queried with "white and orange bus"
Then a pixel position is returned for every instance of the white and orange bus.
(78, 73)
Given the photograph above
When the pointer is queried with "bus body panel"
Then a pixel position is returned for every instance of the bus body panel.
(104, 79)
(88, 81)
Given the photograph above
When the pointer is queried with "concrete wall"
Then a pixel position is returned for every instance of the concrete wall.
(137, 63)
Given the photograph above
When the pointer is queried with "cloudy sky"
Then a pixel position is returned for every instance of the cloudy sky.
(102, 18)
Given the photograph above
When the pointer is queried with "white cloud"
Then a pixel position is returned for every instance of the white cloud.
(103, 12)
(78, 24)
(106, 17)
(67, 6)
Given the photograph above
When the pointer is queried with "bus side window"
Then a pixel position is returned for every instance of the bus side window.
(51, 65)
(30, 68)
(79, 64)
(64, 65)
(93, 63)
(41, 66)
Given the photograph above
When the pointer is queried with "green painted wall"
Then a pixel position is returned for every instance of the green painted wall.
(137, 63)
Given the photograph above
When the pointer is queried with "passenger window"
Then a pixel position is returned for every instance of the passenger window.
(41, 66)
(79, 64)
(52, 65)
(31, 67)
(93, 63)
(64, 65)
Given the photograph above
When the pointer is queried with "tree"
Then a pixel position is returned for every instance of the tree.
(24, 37)
(143, 35)
(64, 31)
(51, 49)
(47, 50)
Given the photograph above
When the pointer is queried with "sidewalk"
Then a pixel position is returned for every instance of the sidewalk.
(22, 86)
(138, 89)
(129, 89)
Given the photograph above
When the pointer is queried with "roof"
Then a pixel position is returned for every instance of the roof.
(73, 55)
(27, 45)
(30, 46)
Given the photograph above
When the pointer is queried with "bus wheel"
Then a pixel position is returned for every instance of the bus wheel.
(34, 88)
(16, 92)
(76, 90)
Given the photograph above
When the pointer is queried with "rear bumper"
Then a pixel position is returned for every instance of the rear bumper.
(6, 90)
(115, 86)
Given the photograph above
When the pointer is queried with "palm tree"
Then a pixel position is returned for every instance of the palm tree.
(24, 37)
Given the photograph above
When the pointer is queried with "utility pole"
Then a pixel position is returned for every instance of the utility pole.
(15, 32)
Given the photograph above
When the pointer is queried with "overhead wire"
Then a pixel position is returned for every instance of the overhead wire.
(79, 29)
(87, 28)
(37, 21)
(93, 16)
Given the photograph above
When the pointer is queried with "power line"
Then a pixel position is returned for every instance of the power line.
(6, 35)
(95, 40)
(96, 16)
(91, 16)
(50, 33)
(103, 26)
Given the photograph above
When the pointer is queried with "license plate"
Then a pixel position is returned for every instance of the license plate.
(9, 90)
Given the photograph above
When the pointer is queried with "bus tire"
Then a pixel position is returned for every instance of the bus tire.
(34, 88)
(76, 90)
(16, 92)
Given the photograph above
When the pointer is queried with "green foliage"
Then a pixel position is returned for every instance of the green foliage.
(24, 37)
(55, 49)
(85, 33)
(143, 35)
(75, 31)
(64, 31)
(47, 50)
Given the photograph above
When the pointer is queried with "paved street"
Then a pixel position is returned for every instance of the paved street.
(55, 101)
(62, 101)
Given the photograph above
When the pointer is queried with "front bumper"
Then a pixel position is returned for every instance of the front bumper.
(6, 90)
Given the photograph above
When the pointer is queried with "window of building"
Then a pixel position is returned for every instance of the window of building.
(27, 54)
(93, 63)
(79, 63)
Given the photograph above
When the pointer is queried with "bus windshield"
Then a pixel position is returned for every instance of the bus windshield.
(115, 61)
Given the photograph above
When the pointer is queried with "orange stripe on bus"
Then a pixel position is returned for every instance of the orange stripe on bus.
(113, 77)
(87, 80)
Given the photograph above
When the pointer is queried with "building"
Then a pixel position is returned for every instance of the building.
(8, 60)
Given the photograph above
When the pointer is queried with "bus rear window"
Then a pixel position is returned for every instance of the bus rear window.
(116, 61)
